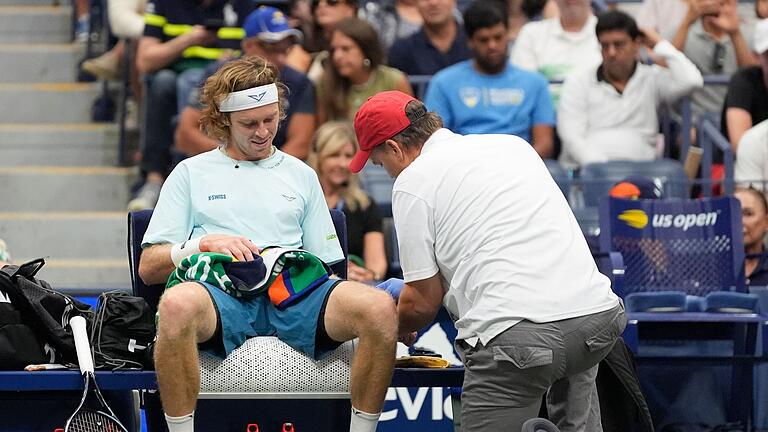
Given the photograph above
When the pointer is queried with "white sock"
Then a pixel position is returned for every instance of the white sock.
(185, 423)
(362, 421)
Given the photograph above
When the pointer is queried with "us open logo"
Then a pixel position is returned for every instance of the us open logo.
(639, 219)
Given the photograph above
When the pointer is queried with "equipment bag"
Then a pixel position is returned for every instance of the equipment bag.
(45, 311)
(123, 332)
(19, 345)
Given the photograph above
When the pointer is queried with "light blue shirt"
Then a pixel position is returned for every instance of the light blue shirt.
(273, 202)
(510, 102)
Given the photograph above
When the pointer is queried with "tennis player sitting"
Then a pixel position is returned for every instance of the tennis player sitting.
(243, 196)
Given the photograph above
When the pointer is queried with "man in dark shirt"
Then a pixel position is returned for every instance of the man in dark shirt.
(440, 43)
(267, 34)
(746, 103)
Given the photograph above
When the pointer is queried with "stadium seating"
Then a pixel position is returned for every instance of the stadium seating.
(695, 248)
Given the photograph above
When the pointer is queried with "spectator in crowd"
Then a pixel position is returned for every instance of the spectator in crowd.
(267, 34)
(83, 23)
(355, 72)
(300, 16)
(746, 101)
(248, 175)
(126, 21)
(392, 19)
(610, 112)
(557, 46)
(484, 230)
(314, 55)
(710, 36)
(665, 16)
(488, 94)
(173, 63)
(752, 157)
(439, 43)
(754, 219)
(520, 12)
(333, 146)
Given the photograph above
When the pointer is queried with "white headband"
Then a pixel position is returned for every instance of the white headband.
(250, 98)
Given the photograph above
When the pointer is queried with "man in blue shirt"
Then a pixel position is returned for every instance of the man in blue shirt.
(441, 41)
(487, 94)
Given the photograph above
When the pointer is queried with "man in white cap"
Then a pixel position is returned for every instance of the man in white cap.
(484, 230)
(237, 199)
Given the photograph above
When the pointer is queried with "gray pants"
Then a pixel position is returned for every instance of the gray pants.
(505, 380)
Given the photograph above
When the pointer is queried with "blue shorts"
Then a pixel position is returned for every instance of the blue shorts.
(297, 325)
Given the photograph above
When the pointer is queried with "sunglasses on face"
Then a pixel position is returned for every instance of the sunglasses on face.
(315, 3)
(718, 58)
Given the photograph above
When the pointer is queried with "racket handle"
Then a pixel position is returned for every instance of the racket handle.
(82, 345)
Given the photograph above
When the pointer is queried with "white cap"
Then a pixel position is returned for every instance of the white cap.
(761, 36)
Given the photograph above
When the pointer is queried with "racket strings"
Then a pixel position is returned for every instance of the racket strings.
(91, 421)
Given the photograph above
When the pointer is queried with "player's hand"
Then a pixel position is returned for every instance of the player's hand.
(239, 247)
(408, 338)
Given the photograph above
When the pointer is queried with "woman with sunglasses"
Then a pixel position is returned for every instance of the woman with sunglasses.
(313, 53)
(355, 72)
(333, 146)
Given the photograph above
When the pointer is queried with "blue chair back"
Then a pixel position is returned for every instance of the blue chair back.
(597, 179)
(694, 246)
(560, 175)
(378, 184)
(137, 226)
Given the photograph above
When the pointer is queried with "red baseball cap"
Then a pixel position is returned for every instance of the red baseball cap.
(381, 117)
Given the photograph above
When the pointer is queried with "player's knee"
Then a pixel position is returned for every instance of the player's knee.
(380, 316)
(179, 307)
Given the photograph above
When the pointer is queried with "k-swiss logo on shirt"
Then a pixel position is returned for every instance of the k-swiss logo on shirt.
(217, 197)
(288, 197)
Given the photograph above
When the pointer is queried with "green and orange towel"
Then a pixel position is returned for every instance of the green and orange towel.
(284, 274)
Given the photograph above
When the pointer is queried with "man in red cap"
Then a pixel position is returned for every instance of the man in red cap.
(484, 230)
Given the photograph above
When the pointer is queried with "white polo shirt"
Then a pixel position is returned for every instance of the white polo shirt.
(545, 47)
(752, 156)
(596, 123)
(484, 212)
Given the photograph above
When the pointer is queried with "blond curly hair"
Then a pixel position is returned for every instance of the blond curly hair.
(237, 75)
(328, 141)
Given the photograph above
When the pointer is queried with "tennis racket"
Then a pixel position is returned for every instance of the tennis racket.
(93, 414)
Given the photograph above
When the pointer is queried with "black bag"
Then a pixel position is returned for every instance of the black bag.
(44, 310)
(19, 345)
(123, 332)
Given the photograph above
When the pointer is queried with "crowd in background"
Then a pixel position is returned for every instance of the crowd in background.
(580, 80)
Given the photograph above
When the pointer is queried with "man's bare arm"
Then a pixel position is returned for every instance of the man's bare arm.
(299, 135)
(419, 303)
(190, 140)
(156, 263)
